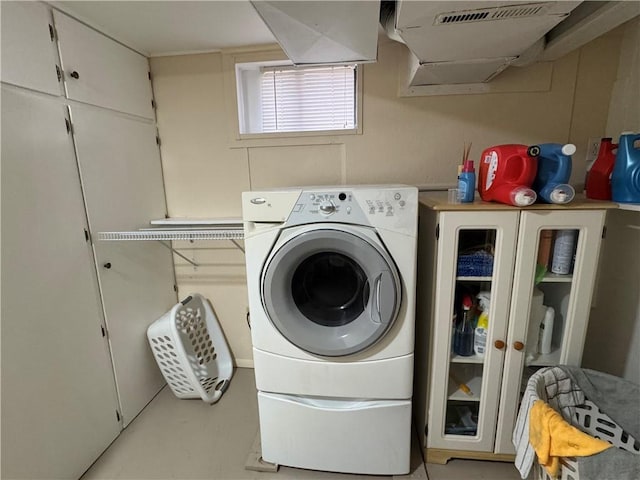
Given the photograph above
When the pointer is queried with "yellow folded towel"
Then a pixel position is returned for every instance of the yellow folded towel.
(552, 437)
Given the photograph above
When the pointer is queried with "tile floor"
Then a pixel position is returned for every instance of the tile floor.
(188, 439)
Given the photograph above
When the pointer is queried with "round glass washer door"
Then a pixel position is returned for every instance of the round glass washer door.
(331, 292)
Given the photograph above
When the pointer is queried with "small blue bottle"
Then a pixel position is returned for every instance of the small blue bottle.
(467, 182)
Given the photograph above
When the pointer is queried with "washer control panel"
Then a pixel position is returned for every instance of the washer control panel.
(391, 207)
(314, 206)
(325, 203)
(365, 208)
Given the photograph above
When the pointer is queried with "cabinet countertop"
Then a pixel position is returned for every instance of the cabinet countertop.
(438, 201)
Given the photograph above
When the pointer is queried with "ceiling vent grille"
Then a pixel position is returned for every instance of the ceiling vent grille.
(499, 13)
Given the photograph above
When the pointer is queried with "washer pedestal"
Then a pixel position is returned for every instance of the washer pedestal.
(347, 436)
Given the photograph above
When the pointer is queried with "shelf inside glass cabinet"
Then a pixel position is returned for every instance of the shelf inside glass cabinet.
(475, 386)
(548, 360)
(557, 278)
(470, 359)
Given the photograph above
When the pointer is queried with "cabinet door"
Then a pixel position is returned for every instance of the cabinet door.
(137, 288)
(475, 260)
(58, 394)
(29, 54)
(553, 285)
(100, 71)
(120, 167)
(122, 179)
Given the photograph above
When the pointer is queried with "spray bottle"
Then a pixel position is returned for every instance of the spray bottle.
(482, 328)
(554, 170)
(463, 338)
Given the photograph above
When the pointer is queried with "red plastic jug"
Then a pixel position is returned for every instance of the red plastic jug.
(507, 173)
(598, 185)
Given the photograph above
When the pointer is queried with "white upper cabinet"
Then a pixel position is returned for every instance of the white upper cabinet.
(120, 169)
(102, 72)
(29, 55)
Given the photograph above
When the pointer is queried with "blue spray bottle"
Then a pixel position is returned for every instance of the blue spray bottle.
(554, 171)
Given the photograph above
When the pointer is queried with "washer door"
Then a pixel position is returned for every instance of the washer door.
(331, 292)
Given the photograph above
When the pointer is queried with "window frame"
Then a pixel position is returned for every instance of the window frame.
(275, 56)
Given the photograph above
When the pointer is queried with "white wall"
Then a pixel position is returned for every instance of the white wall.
(414, 140)
(624, 108)
(613, 338)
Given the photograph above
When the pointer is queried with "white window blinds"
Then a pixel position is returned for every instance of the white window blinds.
(308, 99)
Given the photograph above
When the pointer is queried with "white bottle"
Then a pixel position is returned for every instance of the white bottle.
(536, 316)
(563, 252)
(546, 332)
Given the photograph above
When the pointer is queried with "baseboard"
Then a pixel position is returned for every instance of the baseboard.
(244, 363)
(441, 456)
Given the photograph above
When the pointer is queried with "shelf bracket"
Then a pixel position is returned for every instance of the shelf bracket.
(237, 245)
(178, 253)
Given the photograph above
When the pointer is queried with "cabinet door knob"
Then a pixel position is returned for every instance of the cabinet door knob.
(107, 265)
(518, 345)
(75, 75)
(499, 344)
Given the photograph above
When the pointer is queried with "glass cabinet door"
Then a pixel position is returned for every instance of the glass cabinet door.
(476, 252)
(553, 283)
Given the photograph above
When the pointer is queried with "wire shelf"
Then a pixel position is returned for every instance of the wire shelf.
(174, 234)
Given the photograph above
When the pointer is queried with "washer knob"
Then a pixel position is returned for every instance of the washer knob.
(327, 208)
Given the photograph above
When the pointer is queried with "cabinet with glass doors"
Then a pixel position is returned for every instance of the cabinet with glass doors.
(502, 292)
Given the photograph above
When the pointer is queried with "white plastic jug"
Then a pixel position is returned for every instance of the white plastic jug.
(536, 316)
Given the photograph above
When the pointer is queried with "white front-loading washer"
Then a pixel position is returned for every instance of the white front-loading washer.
(331, 280)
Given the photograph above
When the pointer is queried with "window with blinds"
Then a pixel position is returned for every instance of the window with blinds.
(308, 99)
(278, 99)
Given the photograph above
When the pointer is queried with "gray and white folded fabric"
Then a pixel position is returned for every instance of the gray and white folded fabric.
(554, 386)
(618, 399)
(563, 394)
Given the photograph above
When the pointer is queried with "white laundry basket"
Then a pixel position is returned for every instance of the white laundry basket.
(189, 346)
(593, 421)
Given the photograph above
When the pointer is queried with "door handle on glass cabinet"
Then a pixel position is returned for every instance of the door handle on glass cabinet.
(499, 344)
(518, 345)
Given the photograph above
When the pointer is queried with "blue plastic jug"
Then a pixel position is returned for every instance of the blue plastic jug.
(625, 178)
(554, 170)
